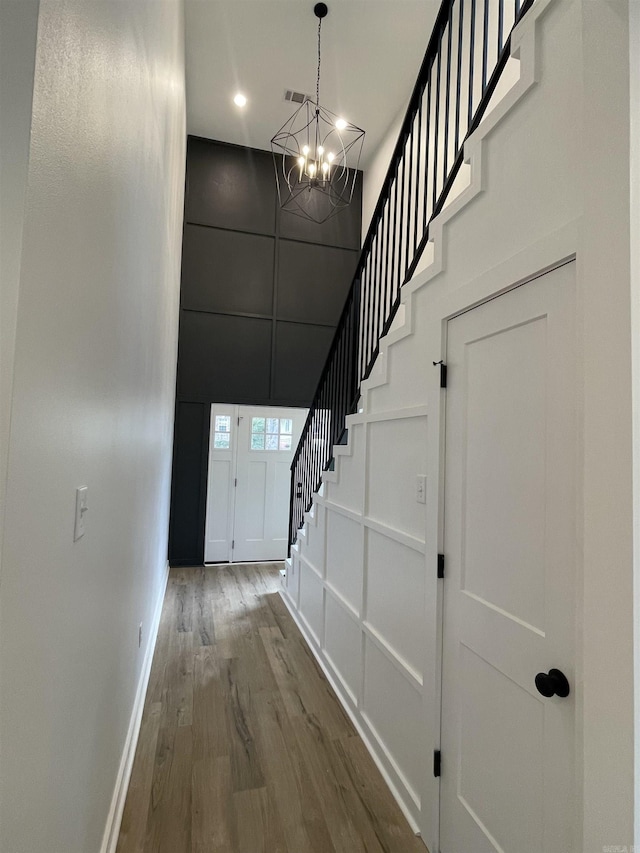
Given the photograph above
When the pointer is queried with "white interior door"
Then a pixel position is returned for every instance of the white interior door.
(250, 453)
(508, 778)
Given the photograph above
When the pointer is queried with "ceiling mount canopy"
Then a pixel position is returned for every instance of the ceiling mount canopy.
(316, 154)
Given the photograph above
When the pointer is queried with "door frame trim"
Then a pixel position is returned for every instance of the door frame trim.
(234, 409)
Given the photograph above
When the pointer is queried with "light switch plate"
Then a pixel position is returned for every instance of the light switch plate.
(421, 489)
(81, 508)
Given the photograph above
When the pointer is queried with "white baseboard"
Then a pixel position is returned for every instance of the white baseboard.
(114, 818)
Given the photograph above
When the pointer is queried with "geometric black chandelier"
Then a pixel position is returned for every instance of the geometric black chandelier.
(316, 156)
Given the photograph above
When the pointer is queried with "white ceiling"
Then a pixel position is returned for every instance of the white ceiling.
(371, 53)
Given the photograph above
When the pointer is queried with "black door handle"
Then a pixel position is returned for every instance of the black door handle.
(553, 683)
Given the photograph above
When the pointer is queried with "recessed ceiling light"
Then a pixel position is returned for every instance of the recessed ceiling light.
(240, 100)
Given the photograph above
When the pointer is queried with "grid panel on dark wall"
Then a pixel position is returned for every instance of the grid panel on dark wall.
(261, 293)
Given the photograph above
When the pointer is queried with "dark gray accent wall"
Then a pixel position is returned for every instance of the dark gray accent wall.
(261, 294)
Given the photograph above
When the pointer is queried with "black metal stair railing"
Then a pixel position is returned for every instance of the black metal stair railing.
(466, 56)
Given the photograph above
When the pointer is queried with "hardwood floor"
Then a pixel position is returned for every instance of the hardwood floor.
(243, 746)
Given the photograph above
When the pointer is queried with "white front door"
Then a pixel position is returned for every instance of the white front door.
(508, 776)
(250, 453)
(218, 530)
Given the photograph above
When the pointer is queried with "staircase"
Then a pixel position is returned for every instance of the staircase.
(358, 579)
(461, 78)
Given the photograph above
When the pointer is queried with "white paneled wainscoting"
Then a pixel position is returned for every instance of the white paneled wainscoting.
(355, 583)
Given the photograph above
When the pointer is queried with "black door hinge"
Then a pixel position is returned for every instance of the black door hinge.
(436, 763)
(440, 565)
(443, 372)
(233, 544)
(235, 482)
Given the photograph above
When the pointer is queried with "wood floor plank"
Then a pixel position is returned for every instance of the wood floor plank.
(303, 685)
(243, 746)
(229, 621)
(246, 770)
(212, 817)
(383, 813)
(240, 602)
(177, 698)
(288, 780)
(169, 826)
(281, 616)
(258, 583)
(161, 769)
(252, 664)
(202, 618)
(315, 744)
(134, 818)
(184, 595)
(257, 825)
(210, 723)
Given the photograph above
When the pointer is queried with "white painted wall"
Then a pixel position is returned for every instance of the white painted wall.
(377, 171)
(18, 31)
(93, 391)
(608, 457)
(634, 200)
(548, 180)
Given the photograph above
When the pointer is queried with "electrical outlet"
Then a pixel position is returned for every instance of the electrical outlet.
(139, 635)
(421, 489)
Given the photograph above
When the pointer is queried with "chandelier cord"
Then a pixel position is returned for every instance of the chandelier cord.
(318, 77)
